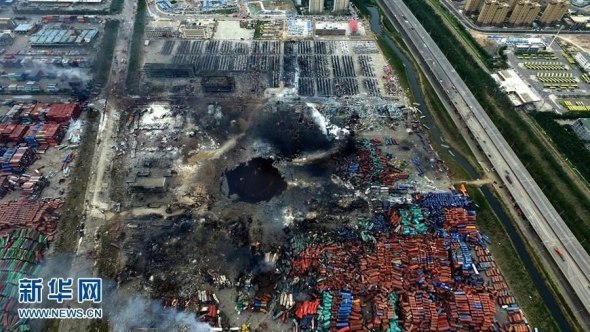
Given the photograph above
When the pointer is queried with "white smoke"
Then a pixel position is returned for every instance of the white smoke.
(324, 124)
(124, 312)
(59, 73)
(138, 312)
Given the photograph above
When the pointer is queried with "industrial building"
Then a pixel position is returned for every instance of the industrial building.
(554, 11)
(167, 70)
(218, 84)
(63, 37)
(583, 61)
(340, 5)
(25, 28)
(516, 88)
(524, 12)
(493, 12)
(582, 128)
(472, 5)
(7, 23)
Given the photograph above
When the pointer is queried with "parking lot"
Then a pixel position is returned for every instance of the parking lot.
(544, 65)
(550, 74)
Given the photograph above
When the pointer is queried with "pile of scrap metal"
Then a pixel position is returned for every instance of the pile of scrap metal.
(409, 268)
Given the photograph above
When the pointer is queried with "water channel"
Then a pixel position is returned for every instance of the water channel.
(496, 206)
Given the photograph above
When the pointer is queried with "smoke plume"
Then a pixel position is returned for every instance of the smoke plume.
(138, 312)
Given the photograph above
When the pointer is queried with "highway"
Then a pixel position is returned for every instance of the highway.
(543, 217)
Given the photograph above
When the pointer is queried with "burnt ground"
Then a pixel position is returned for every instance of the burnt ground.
(198, 234)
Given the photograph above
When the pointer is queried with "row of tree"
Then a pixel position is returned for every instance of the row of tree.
(540, 163)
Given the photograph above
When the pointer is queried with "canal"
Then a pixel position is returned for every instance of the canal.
(517, 240)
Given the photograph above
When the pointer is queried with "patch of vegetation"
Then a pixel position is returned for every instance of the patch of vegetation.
(572, 115)
(567, 142)
(362, 5)
(104, 58)
(74, 201)
(133, 71)
(560, 189)
(258, 29)
(512, 267)
(116, 6)
(222, 11)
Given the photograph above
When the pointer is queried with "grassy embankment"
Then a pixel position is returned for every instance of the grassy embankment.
(74, 201)
(507, 258)
(568, 144)
(512, 267)
(540, 163)
(562, 191)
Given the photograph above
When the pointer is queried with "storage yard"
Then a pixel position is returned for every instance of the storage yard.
(50, 54)
(38, 150)
(277, 180)
(549, 70)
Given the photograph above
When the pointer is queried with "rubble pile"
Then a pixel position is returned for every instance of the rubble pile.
(373, 165)
(203, 302)
(30, 184)
(412, 267)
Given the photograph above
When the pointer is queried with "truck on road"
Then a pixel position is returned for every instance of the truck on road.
(560, 254)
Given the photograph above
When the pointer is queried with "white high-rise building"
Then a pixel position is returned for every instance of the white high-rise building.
(340, 5)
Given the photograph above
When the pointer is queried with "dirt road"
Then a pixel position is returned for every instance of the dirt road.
(97, 194)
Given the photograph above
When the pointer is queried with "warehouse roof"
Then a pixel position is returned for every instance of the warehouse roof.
(518, 90)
